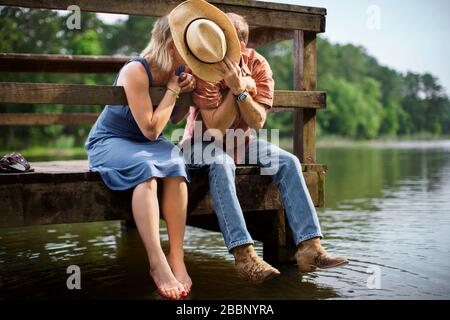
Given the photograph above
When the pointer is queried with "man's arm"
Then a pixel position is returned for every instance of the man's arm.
(221, 118)
(253, 112)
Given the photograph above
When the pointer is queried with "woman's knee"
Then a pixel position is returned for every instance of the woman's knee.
(178, 180)
(151, 184)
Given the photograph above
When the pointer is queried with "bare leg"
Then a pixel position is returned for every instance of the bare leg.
(146, 215)
(174, 207)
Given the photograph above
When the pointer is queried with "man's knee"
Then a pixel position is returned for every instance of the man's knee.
(289, 160)
(224, 166)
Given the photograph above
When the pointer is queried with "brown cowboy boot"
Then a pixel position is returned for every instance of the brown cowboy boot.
(311, 256)
(250, 267)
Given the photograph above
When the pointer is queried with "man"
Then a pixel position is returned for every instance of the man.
(250, 94)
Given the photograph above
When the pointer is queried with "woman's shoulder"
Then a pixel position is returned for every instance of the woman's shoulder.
(134, 72)
(135, 66)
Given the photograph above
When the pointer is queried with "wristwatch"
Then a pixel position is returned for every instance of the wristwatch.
(242, 96)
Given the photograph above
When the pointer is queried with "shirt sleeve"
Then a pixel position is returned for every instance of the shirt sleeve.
(262, 74)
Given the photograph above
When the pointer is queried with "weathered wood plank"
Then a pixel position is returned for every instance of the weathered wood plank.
(76, 94)
(273, 6)
(260, 36)
(298, 53)
(305, 78)
(278, 19)
(321, 189)
(32, 119)
(85, 201)
(77, 170)
(52, 93)
(257, 13)
(309, 83)
(58, 63)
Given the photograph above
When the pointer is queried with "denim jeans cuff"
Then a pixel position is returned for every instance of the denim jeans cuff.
(307, 237)
(239, 243)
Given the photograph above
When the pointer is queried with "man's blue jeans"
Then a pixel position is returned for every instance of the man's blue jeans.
(286, 172)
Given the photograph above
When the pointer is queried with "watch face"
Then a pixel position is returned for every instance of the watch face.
(242, 96)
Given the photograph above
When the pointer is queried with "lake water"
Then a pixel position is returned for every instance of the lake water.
(387, 209)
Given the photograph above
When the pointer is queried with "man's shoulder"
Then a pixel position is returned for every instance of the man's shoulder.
(257, 55)
(256, 59)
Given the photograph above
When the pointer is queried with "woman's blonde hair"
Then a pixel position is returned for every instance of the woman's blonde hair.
(156, 49)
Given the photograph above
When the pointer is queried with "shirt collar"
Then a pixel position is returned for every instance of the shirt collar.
(244, 60)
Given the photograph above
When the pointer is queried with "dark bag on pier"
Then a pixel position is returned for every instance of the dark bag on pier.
(14, 162)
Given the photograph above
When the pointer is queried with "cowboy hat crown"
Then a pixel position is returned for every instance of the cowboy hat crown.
(206, 41)
(204, 36)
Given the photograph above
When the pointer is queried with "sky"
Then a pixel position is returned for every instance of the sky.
(412, 35)
(406, 35)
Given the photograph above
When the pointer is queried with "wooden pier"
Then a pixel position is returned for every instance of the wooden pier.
(67, 192)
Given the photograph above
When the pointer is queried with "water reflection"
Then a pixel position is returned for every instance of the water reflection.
(386, 208)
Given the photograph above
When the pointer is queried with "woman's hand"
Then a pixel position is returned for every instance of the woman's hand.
(187, 82)
(173, 85)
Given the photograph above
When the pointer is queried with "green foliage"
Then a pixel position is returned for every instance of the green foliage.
(354, 109)
(364, 99)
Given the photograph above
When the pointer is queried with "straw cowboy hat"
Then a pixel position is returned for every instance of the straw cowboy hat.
(204, 35)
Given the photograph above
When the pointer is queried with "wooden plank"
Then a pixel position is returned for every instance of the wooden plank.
(76, 94)
(260, 36)
(273, 6)
(58, 63)
(321, 188)
(78, 170)
(278, 19)
(298, 83)
(305, 78)
(136, 5)
(87, 201)
(257, 13)
(11, 202)
(32, 119)
(309, 83)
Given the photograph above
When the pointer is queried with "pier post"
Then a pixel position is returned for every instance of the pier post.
(278, 246)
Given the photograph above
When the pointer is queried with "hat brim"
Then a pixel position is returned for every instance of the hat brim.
(179, 20)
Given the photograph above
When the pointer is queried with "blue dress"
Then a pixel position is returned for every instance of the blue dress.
(122, 155)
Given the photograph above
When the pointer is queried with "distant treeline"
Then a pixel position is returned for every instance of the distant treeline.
(365, 99)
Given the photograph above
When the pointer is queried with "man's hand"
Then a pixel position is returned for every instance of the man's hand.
(232, 75)
(186, 82)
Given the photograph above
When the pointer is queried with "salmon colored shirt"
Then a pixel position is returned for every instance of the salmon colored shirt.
(208, 95)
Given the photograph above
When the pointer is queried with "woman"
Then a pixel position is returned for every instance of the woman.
(127, 147)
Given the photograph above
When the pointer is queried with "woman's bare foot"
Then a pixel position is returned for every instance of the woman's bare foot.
(168, 286)
(176, 262)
